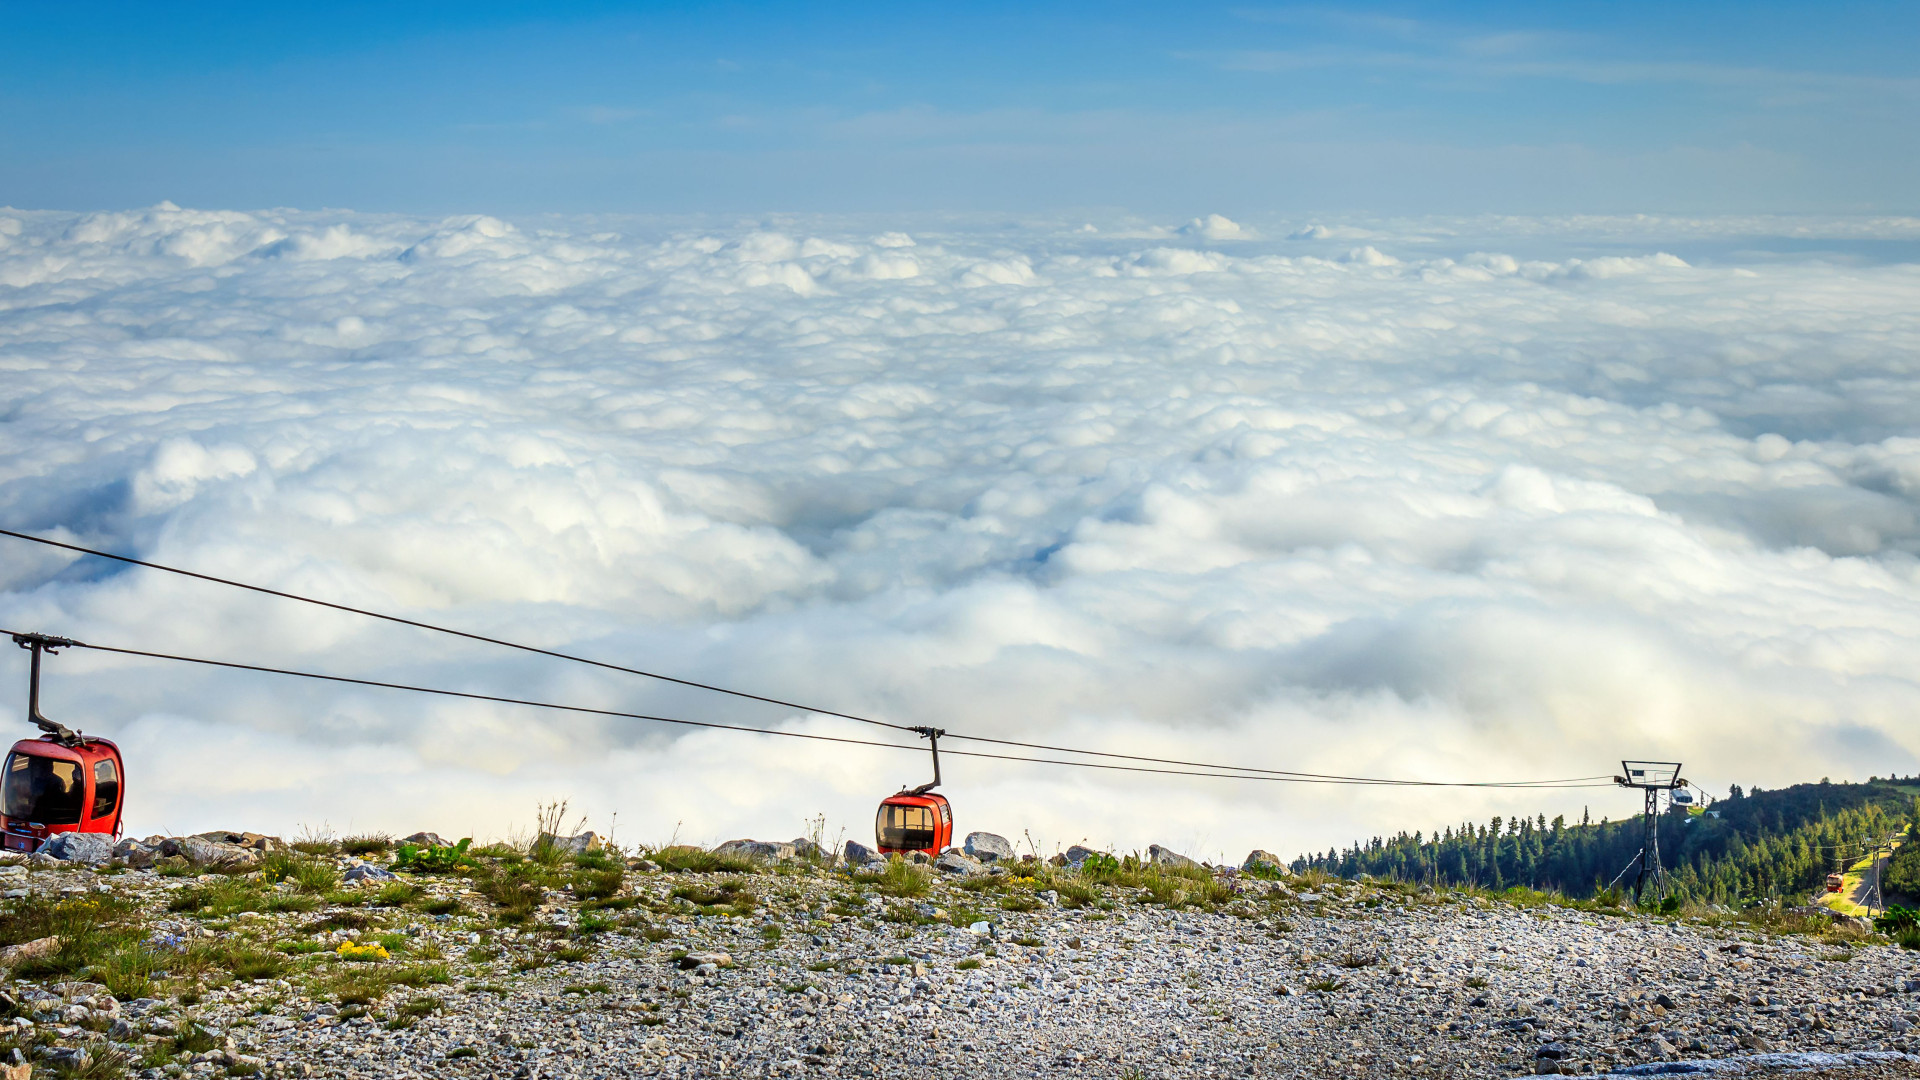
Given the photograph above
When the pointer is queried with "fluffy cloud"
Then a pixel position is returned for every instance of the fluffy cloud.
(1478, 499)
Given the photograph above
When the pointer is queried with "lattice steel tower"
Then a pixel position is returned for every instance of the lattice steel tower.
(1652, 777)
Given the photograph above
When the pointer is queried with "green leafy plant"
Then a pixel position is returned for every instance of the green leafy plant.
(1896, 918)
(435, 858)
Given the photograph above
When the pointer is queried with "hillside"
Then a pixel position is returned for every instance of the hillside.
(1761, 845)
(505, 962)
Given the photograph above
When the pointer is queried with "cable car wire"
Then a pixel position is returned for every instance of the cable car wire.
(618, 714)
(446, 629)
(417, 624)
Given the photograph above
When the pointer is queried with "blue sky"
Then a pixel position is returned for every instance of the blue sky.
(1241, 109)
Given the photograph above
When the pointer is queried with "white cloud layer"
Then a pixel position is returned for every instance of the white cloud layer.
(1472, 499)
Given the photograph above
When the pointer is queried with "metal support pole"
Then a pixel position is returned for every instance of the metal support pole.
(37, 644)
(932, 735)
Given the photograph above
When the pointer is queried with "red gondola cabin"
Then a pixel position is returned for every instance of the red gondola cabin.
(909, 822)
(916, 819)
(1835, 882)
(61, 782)
(47, 788)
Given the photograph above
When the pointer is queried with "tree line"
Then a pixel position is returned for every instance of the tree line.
(1753, 845)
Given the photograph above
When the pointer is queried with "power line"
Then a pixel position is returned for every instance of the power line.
(417, 624)
(618, 714)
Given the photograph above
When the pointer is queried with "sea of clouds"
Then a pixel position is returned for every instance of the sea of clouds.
(1475, 499)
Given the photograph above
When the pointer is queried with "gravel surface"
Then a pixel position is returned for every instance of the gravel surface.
(811, 972)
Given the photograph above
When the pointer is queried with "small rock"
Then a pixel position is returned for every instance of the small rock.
(957, 863)
(364, 871)
(70, 1058)
(857, 853)
(426, 839)
(135, 854)
(577, 844)
(1258, 860)
(1164, 856)
(988, 847)
(38, 949)
(252, 841)
(700, 959)
(1077, 854)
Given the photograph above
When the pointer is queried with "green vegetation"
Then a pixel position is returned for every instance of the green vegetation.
(1763, 845)
(395, 894)
(1902, 924)
(597, 884)
(898, 877)
(1901, 878)
(700, 861)
(730, 896)
(371, 844)
(434, 858)
(514, 888)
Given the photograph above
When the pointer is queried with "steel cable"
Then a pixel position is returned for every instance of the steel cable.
(952, 736)
(680, 721)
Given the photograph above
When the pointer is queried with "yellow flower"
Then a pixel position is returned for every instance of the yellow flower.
(349, 950)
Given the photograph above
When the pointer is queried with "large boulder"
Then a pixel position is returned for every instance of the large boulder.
(426, 839)
(987, 847)
(252, 840)
(957, 862)
(577, 844)
(1258, 860)
(758, 850)
(858, 854)
(806, 849)
(1162, 856)
(212, 853)
(92, 848)
(135, 854)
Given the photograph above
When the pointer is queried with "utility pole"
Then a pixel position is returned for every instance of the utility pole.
(1652, 778)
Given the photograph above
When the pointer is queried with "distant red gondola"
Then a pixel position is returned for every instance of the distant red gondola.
(915, 820)
(1835, 883)
(60, 782)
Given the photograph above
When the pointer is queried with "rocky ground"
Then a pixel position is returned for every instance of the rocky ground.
(604, 966)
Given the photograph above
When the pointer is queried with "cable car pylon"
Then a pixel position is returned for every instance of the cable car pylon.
(1651, 777)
